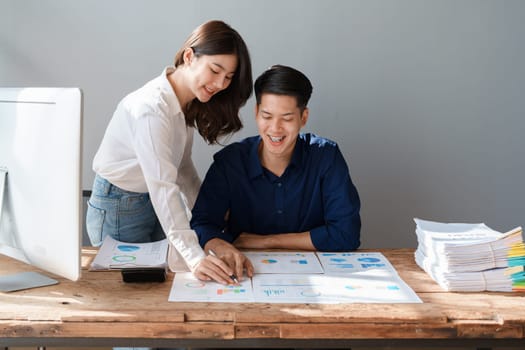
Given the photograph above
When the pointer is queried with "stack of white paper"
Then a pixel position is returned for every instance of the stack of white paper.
(467, 257)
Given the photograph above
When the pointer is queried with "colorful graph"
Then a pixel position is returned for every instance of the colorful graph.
(274, 292)
(300, 262)
(269, 261)
(197, 284)
(124, 258)
(366, 266)
(372, 260)
(354, 287)
(393, 287)
(128, 248)
(235, 290)
(285, 262)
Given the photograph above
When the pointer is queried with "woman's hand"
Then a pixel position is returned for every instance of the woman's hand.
(230, 255)
(213, 268)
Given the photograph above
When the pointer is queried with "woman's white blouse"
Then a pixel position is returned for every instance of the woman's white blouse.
(147, 148)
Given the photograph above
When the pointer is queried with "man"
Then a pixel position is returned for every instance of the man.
(281, 189)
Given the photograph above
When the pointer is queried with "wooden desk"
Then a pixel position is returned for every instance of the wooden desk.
(101, 310)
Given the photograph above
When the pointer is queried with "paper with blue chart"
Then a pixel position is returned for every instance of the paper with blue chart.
(343, 278)
(284, 262)
(115, 254)
(355, 262)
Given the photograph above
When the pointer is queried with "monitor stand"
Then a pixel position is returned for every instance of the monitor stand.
(22, 280)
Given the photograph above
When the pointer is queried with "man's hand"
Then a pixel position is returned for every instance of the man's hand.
(252, 241)
(231, 256)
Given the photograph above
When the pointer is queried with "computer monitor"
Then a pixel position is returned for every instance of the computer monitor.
(40, 177)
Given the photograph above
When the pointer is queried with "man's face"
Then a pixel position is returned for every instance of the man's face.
(279, 121)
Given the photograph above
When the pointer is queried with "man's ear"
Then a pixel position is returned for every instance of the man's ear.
(256, 109)
(188, 55)
(304, 117)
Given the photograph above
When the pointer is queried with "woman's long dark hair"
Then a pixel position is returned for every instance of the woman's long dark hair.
(220, 115)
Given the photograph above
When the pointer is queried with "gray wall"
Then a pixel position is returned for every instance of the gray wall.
(425, 98)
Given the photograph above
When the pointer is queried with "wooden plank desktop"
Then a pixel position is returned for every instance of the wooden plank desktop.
(101, 310)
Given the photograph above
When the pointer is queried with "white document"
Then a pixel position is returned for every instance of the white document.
(371, 279)
(284, 262)
(115, 254)
(188, 288)
(359, 287)
(354, 262)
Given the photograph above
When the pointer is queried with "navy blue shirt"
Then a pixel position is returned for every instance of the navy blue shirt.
(315, 193)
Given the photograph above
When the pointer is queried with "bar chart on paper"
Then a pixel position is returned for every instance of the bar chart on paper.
(187, 287)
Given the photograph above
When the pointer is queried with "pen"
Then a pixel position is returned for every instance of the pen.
(233, 277)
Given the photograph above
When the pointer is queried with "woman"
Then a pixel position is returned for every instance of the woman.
(146, 183)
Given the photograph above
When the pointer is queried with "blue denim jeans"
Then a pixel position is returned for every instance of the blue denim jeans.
(124, 215)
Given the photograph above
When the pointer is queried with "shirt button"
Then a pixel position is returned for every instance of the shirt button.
(279, 211)
(279, 184)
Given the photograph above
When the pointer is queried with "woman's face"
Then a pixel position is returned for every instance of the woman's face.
(209, 74)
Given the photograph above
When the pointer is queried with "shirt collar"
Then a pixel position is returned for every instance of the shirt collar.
(297, 156)
(168, 92)
(255, 167)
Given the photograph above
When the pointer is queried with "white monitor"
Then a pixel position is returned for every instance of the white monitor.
(40, 177)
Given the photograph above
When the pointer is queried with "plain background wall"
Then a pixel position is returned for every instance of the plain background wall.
(425, 98)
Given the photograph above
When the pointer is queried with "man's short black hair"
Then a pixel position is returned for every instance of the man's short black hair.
(283, 80)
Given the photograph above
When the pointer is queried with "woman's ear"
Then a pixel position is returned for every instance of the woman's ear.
(188, 55)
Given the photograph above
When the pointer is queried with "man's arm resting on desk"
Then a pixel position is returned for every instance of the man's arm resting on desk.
(301, 241)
